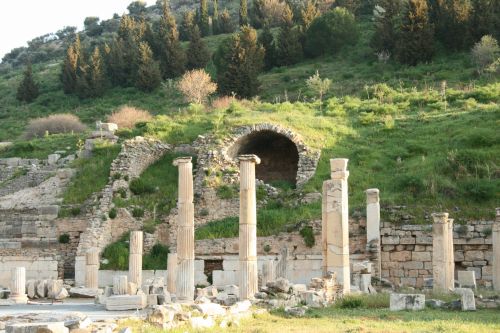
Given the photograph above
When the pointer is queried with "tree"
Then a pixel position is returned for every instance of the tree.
(267, 12)
(96, 75)
(137, 8)
(319, 86)
(70, 66)
(92, 27)
(130, 34)
(484, 19)
(148, 75)
(288, 45)
(187, 25)
(196, 86)
(485, 52)
(243, 12)
(330, 32)
(225, 23)
(172, 56)
(203, 22)
(27, 91)
(115, 63)
(266, 39)
(239, 60)
(387, 21)
(308, 14)
(215, 19)
(416, 41)
(451, 19)
(198, 54)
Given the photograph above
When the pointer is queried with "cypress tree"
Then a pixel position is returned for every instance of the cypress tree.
(386, 17)
(215, 19)
(482, 19)
(130, 35)
(204, 18)
(308, 14)
(148, 74)
(451, 19)
(27, 90)
(258, 14)
(198, 54)
(288, 45)
(225, 23)
(96, 78)
(243, 12)
(239, 61)
(266, 39)
(70, 66)
(115, 63)
(415, 43)
(187, 25)
(172, 56)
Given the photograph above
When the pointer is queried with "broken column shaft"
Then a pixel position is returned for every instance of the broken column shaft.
(442, 252)
(135, 258)
(92, 269)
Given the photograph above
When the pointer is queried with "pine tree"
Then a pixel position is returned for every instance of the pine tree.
(482, 19)
(187, 25)
(96, 75)
(215, 19)
(198, 54)
(148, 75)
(266, 39)
(115, 63)
(416, 41)
(204, 23)
(451, 19)
(243, 12)
(239, 61)
(70, 66)
(258, 14)
(288, 45)
(27, 90)
(172, 56)
(225, 23)
(386, 17)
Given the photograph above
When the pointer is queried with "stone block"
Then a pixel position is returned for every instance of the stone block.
(477, 271)
(126, 302)
(390, 240)
(424, 240)
(413, 264)
(467, 298)
(210, 309)
(474, 255)
(223, 278)
(399, 302)
(407, 240)
(421, 256)
(53, 158)
(467, 279)
(45, 327)
(401, 256)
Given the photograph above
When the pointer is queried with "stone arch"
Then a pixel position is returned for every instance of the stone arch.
(283, 154)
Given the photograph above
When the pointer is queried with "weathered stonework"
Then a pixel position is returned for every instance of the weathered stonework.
(496, 251)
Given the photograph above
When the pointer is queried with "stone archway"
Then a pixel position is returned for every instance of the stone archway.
(278, 154)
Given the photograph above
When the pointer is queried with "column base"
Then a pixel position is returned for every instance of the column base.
(19, 299)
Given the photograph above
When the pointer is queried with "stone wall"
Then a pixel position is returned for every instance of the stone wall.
(407, 252)
(39, 264)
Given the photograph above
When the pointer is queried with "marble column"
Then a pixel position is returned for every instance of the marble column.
(120, 285)
(92, 269)
(442, 253)
(496, 252)
(373, 228)
(335, 224)
(185, 231)
(248, 274)
(135, 258)
(450, 275)
(268, 272)
(171, 272)
(18, 286)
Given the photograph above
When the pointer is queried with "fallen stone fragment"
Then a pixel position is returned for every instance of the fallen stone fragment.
(126, 302)
(47, 327)
(400, 302)
(211, 309)
(467, 298)
(201, 322)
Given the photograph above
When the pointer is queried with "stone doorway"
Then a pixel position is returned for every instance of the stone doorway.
(279, 155)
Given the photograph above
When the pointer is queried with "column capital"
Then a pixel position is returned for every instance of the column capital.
(338, 167)
(372, 195)
(440, 217)
(182, 160)
(249, 158)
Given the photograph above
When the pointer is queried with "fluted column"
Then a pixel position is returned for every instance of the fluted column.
(249, 279)
(135, 258)
(120, 285)
(18, 286)
(172, 273)
(268, 272)
(185, 231)
(496, 252)
(373, 227)
(335, 224)
(442, 253)
(92, 269)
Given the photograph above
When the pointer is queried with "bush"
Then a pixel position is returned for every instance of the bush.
(308, 235)
(156, 258)
(54, 124)
(227, 192)
(485, 52)
(331, 32)
(196, 86)
(138, 187)
(480, 190)
(350, 302)
(222, 103)
(128, 116)
(112, 213)
(137, 212)
(117, 256)
(64, 239)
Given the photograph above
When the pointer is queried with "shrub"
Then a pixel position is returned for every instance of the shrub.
(330, 32)
(117, 256)
(485, 52)
(196, 86)
(54, 124)
(222, 103)
(308, 236)
(480, 189)
(412, 184)
(112, 213)
(139, 186)
(226, 192)
(350, 302)
(75, 211)
(155, 259)
(128, 116)
(64, 239)
(137, 212)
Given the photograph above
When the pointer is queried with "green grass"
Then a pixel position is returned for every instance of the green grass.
(41, 147)
(92, 174)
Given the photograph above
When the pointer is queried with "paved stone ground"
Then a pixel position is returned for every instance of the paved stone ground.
(93, 311)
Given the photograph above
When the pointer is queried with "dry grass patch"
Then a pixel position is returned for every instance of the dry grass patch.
(127, 116)
(54, 124)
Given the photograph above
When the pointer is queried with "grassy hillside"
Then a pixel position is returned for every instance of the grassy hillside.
(424, 147)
